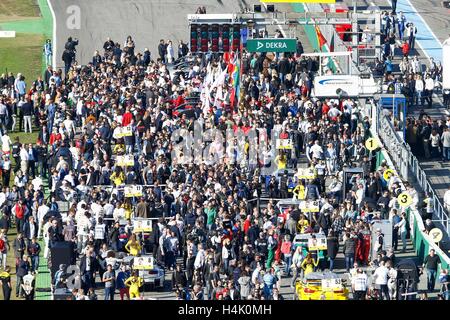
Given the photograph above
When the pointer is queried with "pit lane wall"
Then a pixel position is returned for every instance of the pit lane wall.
(422, 242)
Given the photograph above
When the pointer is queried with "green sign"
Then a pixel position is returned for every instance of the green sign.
(272, 45)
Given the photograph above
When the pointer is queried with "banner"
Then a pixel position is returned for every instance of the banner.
(320, 243)
(309, 206)
(141, 225)
(124, 132)
(143, 263)
(125, 161)
(306, 173)
(331, 284)
(133, 191)
(284, 144)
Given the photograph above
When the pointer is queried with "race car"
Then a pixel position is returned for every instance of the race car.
(321, 286)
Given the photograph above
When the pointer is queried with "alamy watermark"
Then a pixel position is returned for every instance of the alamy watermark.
(251, 147)
(73, 20)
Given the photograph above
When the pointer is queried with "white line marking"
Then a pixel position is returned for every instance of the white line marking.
(278, 25)
(425, 24)
(49, 2)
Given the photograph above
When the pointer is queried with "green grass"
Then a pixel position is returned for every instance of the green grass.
(24, 137)
(11, 10)
(22, 54)
(11, 261)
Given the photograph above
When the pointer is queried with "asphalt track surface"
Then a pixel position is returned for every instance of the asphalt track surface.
(147, 21)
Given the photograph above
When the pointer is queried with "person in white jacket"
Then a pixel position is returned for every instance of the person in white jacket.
(402, 230)
(429, 87)
(170, 54)
(200, 257)
(419, 90)
(83, 229)
(45, 228)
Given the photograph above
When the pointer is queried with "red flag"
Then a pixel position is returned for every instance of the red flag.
(226, 57)
(320, 38)
(232, 98)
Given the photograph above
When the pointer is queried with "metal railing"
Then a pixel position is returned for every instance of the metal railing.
(405, 162)
(421, 177)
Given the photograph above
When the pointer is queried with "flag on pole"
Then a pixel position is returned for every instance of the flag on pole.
(234, 69)
(332, 43)
(320, 38)
(235, 77)
(220, 80)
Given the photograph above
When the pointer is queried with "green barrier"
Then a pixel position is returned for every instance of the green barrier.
(421, 244)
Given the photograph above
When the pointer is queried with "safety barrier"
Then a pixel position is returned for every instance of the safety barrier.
(405, 162)
(422, 242)
(392, 151)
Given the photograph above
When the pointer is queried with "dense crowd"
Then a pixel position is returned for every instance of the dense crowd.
(416, 80)
(213, 228)
(419, 82)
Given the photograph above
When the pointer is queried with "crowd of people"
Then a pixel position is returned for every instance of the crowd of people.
(216, 224)
(416, 80)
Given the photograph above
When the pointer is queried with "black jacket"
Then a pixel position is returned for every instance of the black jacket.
(179, 279)
(284, 66)
(23, 268)
(114, 235)
(349, 247)
(27, 108)
(324, 221)
(162, 49)
(27, 230)
(83, 265)
(55, 235)
(332, 247)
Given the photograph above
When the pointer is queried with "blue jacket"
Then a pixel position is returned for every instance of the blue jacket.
(121, 278)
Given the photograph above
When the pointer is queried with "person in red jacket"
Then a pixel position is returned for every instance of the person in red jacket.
(127, 117)
(247, 224)
(405, 49)
(20, 210)
(179, 100)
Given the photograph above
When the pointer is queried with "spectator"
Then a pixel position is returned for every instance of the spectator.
(431, 263)
(109, 279)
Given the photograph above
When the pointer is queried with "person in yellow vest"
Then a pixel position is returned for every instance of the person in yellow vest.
(299, 191)
(134, 283)
(281, 161)
(302, 224)
(133, 246)
(117, 177)
(309, 264)
(128, 209)
(119, 148)
(5, 279)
